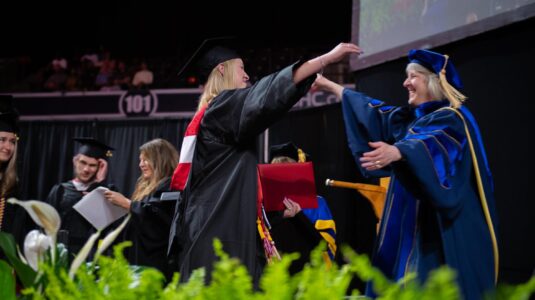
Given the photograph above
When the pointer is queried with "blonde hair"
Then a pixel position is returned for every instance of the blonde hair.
(217, 82)
(8, 174)
(282, 159)
(437, 85)
(163, 159)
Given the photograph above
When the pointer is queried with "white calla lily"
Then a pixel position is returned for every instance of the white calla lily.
(43, 214)
(35, 246)
(82, 255)
(108, 240)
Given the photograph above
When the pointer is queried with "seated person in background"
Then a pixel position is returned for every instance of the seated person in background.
(296, 229)
(151, 219)
(144, 77)
(90, 170)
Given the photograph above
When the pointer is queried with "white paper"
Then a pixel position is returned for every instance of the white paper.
(97, 210)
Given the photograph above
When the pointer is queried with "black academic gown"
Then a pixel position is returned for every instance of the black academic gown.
(296, 234)
(16, 221)
(63, 197)
(219, 200)
(149, 231)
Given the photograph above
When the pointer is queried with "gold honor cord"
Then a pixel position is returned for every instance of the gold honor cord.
(2, 210)
(482, 195)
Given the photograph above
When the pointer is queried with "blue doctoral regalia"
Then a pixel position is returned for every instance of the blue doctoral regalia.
(440, 206)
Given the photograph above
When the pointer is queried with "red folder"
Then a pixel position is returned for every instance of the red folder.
(287, 180)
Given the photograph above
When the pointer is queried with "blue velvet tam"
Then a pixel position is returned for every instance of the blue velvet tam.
(434, 62)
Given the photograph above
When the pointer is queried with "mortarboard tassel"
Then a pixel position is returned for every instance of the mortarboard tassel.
(455, 97)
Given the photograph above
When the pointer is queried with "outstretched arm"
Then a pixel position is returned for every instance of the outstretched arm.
(383, 155)
(316, 64)
(324, 84)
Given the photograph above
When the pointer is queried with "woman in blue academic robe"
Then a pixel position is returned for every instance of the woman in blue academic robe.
(440, 207)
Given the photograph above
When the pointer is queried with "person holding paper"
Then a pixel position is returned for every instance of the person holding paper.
(218, 167)
(151, 218)
(300, 230)
(440, 207)
(90, 170)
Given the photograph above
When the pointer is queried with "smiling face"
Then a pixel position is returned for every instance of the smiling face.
(8, 141)
(145, 166)
(416, 84)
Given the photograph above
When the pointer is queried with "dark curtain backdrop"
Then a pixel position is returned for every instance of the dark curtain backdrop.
(46, 150)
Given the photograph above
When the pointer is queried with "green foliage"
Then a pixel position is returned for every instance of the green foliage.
(9, 247)
(317, 281)
(114, 278)
(518, 292)
(276, 275)
(7, 282)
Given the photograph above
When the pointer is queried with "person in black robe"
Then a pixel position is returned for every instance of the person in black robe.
(151, 216)
(220, 197)
(296, 229)
(13, 218)
(440, 207)
(90, 170)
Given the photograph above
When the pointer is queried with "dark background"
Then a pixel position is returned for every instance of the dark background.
(151, 28)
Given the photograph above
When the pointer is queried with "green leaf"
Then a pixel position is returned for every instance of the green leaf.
(25, 273)
(7, 282)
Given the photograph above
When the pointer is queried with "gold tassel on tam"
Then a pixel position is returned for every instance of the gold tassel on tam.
(455, 97)
(301, 155)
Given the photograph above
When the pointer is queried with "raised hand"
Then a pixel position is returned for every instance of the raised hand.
(339, 52)
(102, 170)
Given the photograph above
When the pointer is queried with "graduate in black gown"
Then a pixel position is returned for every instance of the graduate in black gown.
(90, 170)
(299, 229)
(13, 218)
(151, 217)
(218, 175)
(440, 206)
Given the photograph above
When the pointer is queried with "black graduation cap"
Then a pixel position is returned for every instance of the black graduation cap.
(93, 148)
(208, 55)
(288, 149)
(8, 114)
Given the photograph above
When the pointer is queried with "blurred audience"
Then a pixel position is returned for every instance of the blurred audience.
(143, 77)
(91, 70)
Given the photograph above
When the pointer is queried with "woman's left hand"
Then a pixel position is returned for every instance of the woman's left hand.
(382, 155)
